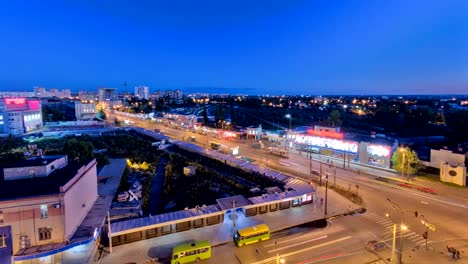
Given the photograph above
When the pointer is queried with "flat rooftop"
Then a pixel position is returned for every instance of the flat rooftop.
(12, 189)
(33, 162)
(228, 202)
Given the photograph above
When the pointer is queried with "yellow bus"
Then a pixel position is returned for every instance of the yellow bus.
(190, 252)
(252, 234)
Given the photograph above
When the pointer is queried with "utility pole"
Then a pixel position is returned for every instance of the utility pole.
(334, 174)
(310, 165)
(344, 160)
(234, 216)
(109, 232)
(320, 174)
(394, 244)
(326, 196)
(402, 228)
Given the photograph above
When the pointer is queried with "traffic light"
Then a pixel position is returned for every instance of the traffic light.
(425, 235)
(416, 213)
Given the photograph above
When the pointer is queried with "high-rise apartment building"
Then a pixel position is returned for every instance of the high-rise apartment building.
(107, 94)
(142, 92)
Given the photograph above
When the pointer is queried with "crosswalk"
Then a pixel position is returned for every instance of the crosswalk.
(387, 224)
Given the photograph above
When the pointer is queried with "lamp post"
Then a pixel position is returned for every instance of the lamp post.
(326, 195)
(310, 164)
(402, 228)
(393, 241)
(234, 216)
(288, 116)
(403, 151)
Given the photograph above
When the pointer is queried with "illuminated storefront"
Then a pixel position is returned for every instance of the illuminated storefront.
(335, 146)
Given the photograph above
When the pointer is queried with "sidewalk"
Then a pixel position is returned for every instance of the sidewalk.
(439, 187)
(437, 253)
(160, 247)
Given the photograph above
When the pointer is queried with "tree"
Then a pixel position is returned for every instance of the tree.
(335, 118)
(411, 164)
(82, 151)
(101, 115)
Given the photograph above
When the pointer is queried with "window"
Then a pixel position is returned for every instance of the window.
(3, 241)
(45, 233)
(44, 212)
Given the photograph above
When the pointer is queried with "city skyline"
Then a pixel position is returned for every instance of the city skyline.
(265, 47)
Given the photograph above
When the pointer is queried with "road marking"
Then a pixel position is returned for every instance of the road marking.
(291, 239)
(439, 200)
(423, 202)
(268, 260)
(296, 244)
(383, 221)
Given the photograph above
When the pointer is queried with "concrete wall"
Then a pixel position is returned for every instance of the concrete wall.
(24, 172)
(38, 171)
(456, 175)
(362, 152)
(80, 195)
(438, 156)
(24, 217)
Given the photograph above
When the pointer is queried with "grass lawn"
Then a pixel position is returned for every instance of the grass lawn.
(436, 178)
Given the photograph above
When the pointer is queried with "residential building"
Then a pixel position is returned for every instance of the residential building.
(107, 94)
(43, 201)
(85, 111)
(142, 92)
(88, 95)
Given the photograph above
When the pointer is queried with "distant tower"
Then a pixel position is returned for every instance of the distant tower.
(125, 92)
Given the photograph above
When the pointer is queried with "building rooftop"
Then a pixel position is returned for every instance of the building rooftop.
(228, 202)
(36, 161)
(19, 188)
(162, 218)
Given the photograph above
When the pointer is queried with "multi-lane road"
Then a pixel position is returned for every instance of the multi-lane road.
(346, 237)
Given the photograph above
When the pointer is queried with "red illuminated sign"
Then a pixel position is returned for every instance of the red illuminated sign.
(33, 105)
(15, 101)
(328, 134)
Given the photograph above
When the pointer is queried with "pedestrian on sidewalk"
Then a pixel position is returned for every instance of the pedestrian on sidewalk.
(321, 201)
(458, 254)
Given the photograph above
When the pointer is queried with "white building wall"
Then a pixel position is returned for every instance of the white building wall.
(34, 171)
(80, 197)
(438, 156)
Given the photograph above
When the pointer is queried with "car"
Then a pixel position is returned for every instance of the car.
(375, 245)
(404, 184)
(426, 190)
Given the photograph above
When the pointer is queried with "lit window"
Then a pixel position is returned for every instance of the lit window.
(3, 241)
(44, 212)
(45, 233)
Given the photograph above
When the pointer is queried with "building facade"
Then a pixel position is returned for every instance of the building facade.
(142, 92)
(20, 115)
(40, 214)
(107, 94)
(85, 111)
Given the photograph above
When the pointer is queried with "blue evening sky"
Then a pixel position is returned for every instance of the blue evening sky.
(238, 46)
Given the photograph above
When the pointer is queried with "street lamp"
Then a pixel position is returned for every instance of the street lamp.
(402, 228)
(326, 195)
(403, 151)
(278, 259)
(288, 116)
